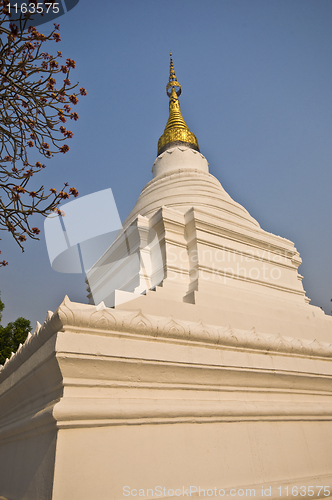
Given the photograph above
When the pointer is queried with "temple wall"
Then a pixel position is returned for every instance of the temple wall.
(103, 461)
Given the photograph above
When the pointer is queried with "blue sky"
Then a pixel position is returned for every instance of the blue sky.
(256, 77)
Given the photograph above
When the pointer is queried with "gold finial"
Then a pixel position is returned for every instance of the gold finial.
(176, 131)
(172, 82)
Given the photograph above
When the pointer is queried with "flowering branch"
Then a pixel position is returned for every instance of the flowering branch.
(36, 100)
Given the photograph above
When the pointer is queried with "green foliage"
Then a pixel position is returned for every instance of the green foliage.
(12, 335)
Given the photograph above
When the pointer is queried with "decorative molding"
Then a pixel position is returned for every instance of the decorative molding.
(79, 412)
(74, 316)
(224, 273)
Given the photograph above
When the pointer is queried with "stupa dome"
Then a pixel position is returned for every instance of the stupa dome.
(182, 181)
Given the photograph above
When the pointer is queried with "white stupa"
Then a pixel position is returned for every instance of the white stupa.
(215, 256)
(198, 369)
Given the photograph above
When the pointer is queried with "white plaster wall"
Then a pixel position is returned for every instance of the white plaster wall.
(101, 461)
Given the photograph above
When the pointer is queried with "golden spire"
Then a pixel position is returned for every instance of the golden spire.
(176, 131)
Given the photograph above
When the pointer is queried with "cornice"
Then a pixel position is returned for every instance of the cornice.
(223, 273)
(253, 237)
(99, 319)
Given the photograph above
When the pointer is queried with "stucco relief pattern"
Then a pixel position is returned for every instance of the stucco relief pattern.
(71, 316)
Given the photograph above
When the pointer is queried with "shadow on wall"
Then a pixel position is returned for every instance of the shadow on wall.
(31, 458)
